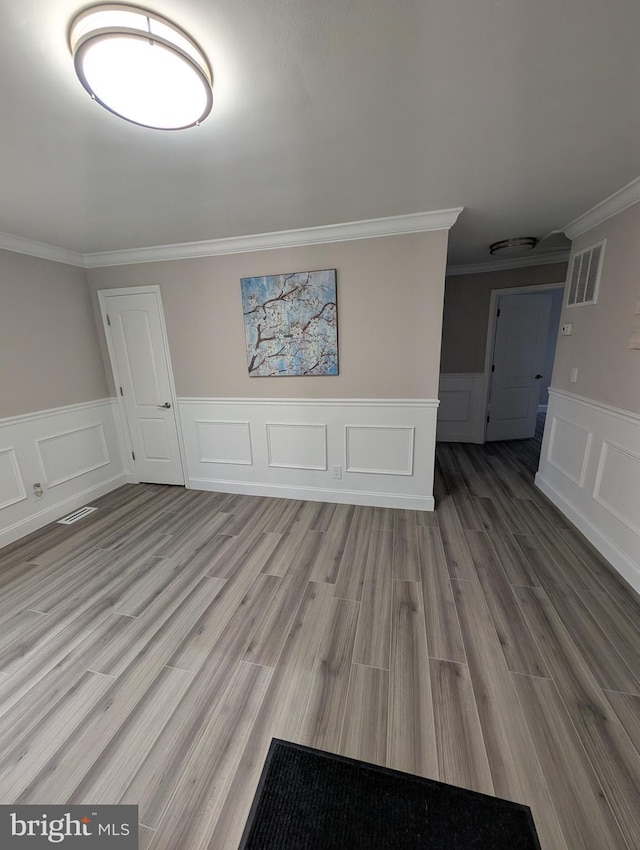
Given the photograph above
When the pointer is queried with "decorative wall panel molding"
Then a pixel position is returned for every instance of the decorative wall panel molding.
(311, 402)
(68, 410)
(296, 445)
(11, 484)
(568, 448)
(594, 478)
(592, 404)
(460, 415)
(224, 442)
(377, 450)
(384, 449)
(73, 452)
(617, 485)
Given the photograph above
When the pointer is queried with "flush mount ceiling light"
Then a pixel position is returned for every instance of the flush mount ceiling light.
(141, 67)
(514, 247)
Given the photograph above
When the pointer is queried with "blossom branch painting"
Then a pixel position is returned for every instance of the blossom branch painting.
(291, 324)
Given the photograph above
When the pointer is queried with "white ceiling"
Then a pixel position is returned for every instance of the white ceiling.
(525, 112)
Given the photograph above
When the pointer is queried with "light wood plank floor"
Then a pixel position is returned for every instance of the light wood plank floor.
(149, 653)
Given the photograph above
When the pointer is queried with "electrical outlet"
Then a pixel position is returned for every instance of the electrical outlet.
(574, 376)
(336, 472)
(567, 329)
(37, 489)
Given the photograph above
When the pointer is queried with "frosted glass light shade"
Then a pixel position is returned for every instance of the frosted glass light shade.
(141, 67)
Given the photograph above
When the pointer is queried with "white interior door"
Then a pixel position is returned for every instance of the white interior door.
(519, 353)
(134, 327)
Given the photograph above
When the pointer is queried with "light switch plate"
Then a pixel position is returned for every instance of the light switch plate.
(567, 329)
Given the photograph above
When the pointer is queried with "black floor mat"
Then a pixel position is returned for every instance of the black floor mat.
(318, 801)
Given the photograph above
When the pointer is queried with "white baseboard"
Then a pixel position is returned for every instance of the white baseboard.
(590, 469)
(317, 494)
(73, 452)
(54, 512)
(606, 547)
(461, 411)
(377, 452)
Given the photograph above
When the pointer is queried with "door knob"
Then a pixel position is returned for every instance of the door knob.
(166, 405)
(537, 377)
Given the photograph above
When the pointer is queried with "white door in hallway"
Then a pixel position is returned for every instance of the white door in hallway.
(519, 352)
(134, 327)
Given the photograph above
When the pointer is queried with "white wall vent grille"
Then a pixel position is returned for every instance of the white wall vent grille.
(81, 513)
(585, 276)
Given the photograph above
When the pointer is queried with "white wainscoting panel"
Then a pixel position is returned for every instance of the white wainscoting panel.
(379, 450)
(590, 469)
(568, 448)
(297, 445)
(461, 412)
(384, 448)
(73, 452)
(11, 483)
(617, 484)
(224, 442)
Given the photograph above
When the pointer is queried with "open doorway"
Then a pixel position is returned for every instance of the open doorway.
(521, 342)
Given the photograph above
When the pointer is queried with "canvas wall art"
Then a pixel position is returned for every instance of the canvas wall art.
(291, 324)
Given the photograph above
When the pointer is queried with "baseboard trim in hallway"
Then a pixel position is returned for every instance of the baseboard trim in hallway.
(606, 547)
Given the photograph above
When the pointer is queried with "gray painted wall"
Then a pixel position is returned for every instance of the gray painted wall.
(466, 311)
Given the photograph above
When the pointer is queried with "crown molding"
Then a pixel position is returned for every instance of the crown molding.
(348, 231)
(504, 265)
(368, 229)
(19, 245)
(614, 204)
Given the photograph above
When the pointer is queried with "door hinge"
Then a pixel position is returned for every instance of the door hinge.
(108, 320)
(493, 369)
(498, 313)
(121, 393)
(488, 418)
(133, 455)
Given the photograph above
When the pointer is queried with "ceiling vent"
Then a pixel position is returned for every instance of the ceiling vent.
(585, 276)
